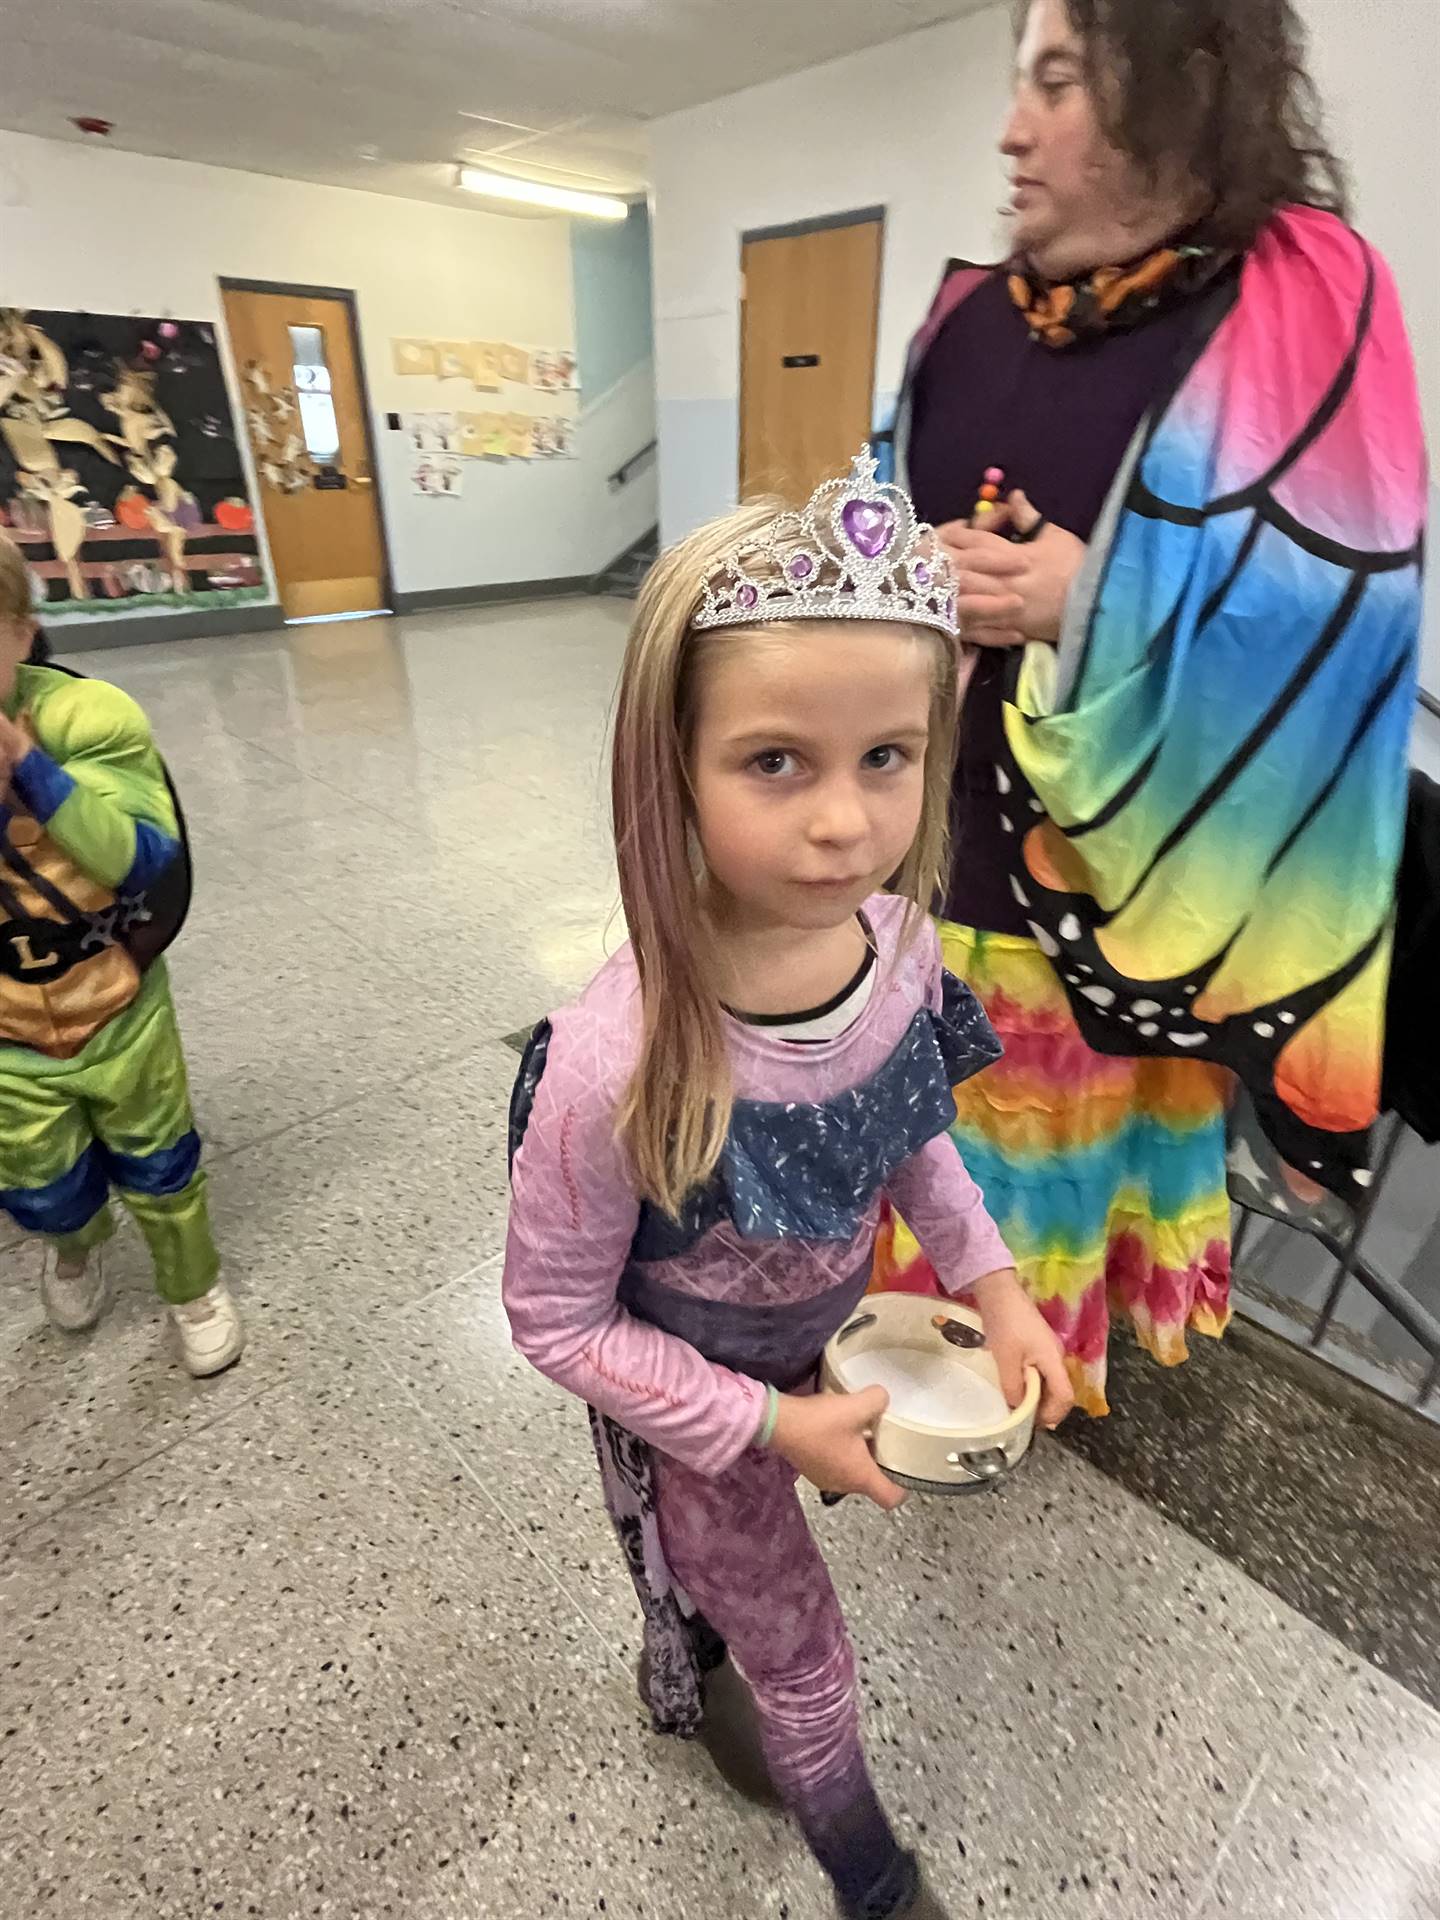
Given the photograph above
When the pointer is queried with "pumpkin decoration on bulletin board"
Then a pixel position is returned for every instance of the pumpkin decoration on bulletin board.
(235, 516)
(117, 453)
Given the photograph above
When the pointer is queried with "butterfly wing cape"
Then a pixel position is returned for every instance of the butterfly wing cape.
(1217, 751)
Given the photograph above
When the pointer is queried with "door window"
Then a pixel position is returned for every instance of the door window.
(313, 391)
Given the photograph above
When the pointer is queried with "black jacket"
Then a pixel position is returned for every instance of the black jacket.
(1412, 1016)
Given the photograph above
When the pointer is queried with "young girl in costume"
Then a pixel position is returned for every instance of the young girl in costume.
(93, 1095)
(700, 1145)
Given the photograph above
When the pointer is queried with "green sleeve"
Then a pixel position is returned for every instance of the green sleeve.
(96, 784)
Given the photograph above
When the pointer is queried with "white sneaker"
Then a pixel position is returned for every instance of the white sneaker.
(74, 1296)
(212, 1335)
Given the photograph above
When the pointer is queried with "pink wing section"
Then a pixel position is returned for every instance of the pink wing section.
(1362, 480)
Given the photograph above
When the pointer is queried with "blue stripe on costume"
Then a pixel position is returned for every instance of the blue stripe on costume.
(65, 1205)
(168, 1170)
(42, 784)
(154, 851)
(1063, 1198)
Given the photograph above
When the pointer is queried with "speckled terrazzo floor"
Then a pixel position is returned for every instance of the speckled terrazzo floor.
(343, 1634)
(1310, 1485)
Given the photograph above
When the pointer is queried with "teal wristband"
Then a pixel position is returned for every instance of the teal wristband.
(772, 1414)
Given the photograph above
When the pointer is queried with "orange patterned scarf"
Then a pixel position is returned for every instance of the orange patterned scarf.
(1110, 297)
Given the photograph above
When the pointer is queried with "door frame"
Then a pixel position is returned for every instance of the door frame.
(796, 230)
(820, 223)
(229, 283)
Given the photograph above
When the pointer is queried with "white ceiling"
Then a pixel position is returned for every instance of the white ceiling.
(387, 94)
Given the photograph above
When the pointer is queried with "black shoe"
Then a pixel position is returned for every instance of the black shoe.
(922, 1904)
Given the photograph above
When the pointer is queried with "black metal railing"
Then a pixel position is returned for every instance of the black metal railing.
(622, 474)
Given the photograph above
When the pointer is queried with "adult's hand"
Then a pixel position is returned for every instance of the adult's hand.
(1009, 592)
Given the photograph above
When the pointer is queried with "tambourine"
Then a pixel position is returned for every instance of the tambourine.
(948, 1428)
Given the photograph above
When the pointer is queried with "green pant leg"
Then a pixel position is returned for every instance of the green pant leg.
(77, 1247)
(52, 1175)
(176, 1227)
(138, 1103)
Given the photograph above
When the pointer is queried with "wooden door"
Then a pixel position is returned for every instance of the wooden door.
(297, 362)
(810, 307)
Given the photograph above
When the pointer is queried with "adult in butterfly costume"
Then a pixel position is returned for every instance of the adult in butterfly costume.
(94, 882)
(1174, 446)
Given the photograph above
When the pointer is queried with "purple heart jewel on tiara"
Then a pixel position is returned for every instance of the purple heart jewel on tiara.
(869, 526)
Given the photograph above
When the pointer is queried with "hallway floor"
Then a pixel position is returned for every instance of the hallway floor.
(344, 1633)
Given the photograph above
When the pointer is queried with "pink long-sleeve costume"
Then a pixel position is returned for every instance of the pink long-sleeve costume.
(671, 1330)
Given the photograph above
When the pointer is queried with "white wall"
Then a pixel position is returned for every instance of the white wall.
(910, 125)
(913, 125)
(91, 229)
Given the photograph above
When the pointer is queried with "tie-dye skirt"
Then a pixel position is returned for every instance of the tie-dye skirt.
(1106, 1176)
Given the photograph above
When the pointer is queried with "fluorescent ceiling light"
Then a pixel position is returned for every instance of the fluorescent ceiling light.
(535, 193)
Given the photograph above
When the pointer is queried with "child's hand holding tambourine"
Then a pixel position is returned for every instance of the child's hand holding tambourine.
(826, 1438)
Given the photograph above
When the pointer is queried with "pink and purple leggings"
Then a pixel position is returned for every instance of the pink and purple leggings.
(741, 1548)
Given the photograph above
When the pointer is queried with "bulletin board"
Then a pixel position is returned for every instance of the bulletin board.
(120, 478)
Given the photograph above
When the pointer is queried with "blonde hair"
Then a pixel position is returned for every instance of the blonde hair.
(16, 600)
(676, 1111)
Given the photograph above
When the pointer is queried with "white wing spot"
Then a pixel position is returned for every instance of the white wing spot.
(1146, 1007)
(1069, 928)
(1264, 1029)
(1187, 1039)
(1046, 943)
(1002, 780)
(1019, 892)
(1102, 996)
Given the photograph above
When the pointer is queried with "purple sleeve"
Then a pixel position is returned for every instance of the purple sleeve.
(573, 1214)
(945, 1210)
(941, 1204)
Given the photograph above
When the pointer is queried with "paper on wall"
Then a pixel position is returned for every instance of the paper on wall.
(438, 476)
(519, 436)
(455, 359)
(553, 370)
(485, 360)
(514, 364)
(433, 430)
(554, 438)
(414, 356)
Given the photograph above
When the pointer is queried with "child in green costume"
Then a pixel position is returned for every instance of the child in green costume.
(93, 1093)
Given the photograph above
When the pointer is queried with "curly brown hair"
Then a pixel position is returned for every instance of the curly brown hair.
(1221, 86)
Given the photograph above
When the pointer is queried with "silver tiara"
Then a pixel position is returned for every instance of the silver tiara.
(857, 552)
